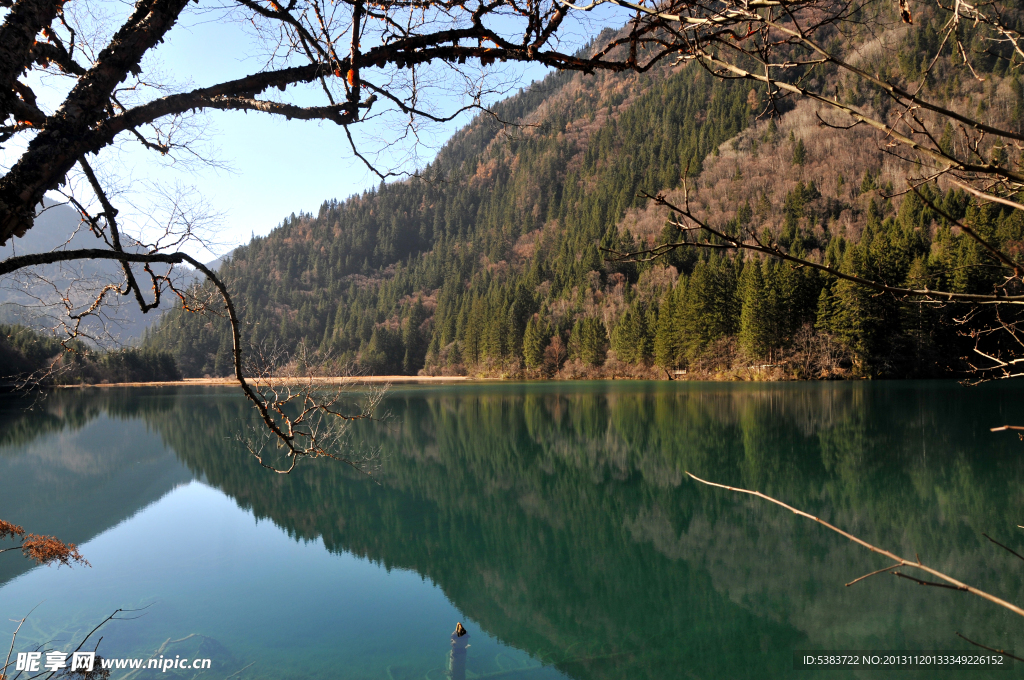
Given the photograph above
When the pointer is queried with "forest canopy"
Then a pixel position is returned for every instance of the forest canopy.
(502, 268)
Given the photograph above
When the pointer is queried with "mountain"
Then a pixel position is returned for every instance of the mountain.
(492, 260)
(215, 264)
(32, 296)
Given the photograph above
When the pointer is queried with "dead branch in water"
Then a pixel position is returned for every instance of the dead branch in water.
(950, 582)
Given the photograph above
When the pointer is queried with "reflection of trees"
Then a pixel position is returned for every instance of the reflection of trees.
(557, 519)
(19, 427)
(76, 487)
(24, 419)
(560, 520)
(474, 533)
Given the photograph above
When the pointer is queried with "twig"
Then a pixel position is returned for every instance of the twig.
(878, 571)
(7, 662)
(1012, 552)
(991, 649)
(902, 562)
(112, 617)
(921, 582)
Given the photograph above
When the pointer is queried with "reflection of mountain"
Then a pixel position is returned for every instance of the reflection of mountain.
(76, 487)
(560, 521)
(558, 518)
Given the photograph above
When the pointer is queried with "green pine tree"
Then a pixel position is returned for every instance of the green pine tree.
(799, 153)
(632, 338)
(755, 335)
(588, 342)
(535, 340)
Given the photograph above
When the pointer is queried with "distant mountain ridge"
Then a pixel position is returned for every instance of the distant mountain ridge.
(26, 297)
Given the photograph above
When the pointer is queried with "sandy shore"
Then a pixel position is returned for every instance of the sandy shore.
(369, 379)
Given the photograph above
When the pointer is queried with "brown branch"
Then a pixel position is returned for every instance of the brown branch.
(1009, 550)
(13, 264)
(17, 35)
(7, 529)
(43, 549)
(352, 77)
(877, 571)
(991, 649)
(24, 110)
(985, 196)
(110, 216)
(340, 114)
(922, 582)
(46, 550)
(900, 561)
(44, 53)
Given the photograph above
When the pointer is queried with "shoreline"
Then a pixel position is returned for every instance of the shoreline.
(414, 380)
(442, 380)
(227, 382)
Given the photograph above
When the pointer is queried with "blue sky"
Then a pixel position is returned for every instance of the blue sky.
(277, 166)
(269, 167)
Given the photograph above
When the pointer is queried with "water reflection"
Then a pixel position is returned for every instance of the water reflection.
(74, 467)
(558, 518)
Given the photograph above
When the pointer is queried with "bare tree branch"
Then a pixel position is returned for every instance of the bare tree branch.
(949, 581)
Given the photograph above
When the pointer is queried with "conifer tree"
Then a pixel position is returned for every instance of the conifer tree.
(632, 338)
(825, 313)
(535, 341)
(711, 310)
(755, 322)
(588, 342)
(412, 338)
(799, 153)
(668, 340)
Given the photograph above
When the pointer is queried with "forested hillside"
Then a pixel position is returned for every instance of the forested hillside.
(491, 261)
(27, 355)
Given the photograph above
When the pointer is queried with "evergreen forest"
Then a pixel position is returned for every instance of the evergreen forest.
(495, 259)
(28, 354)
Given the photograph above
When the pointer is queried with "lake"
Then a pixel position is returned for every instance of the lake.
(554, 520)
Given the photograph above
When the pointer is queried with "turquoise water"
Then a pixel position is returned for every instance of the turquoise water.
(554, 520)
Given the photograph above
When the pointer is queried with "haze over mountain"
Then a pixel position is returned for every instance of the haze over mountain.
(491, 262)
(29, 296)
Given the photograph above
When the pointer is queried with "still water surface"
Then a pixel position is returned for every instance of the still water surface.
(553, 520)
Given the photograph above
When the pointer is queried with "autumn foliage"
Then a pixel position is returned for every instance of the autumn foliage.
(8, 529)
(42, 549)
